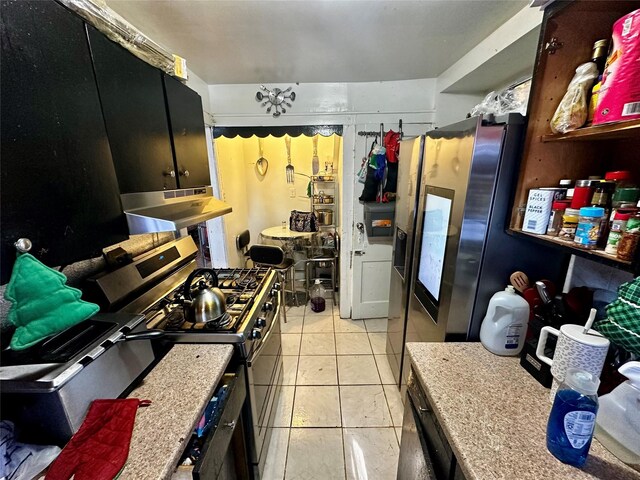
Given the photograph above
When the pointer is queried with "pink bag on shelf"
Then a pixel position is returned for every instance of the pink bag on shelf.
(619, 96)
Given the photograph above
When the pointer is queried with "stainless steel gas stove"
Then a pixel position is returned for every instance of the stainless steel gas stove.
(153, 285)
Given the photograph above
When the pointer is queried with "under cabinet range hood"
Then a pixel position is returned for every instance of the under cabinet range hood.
(171, 210)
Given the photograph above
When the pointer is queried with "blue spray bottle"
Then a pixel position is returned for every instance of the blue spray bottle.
(573, 417)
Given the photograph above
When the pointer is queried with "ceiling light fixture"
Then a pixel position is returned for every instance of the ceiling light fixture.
(276, 99)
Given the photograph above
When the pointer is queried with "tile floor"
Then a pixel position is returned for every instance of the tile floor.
(339, 414)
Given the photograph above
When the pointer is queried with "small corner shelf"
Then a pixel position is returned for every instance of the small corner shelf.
(568, 247)
(607, 131)
(323, 204)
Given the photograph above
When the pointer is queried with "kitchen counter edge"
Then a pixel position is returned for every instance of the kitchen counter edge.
(179, 387)
(494, 415)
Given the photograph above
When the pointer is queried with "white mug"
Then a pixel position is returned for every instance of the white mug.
(575, 349)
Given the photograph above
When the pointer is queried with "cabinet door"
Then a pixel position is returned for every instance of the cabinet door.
(187, 127)
(135, 115)
(58, 185)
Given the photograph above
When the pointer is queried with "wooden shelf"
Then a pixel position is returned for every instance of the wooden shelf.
(607, 131)
(323, 204)
(568, 246)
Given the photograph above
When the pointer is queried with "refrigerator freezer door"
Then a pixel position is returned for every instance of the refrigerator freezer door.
(409, 170)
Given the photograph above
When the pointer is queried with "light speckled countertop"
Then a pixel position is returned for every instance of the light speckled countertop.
(494, 415)
(179, 388)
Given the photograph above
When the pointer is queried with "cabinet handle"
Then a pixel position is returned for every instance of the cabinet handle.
(230, 424)
(170, 173)
(185, 173)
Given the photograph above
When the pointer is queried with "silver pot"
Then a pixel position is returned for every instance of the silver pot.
(325, 216)
(208, 303)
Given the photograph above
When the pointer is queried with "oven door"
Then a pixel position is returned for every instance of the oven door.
(265, 371)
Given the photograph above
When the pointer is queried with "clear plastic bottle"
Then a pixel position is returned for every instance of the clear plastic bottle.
(573, 417)
(618, 422)
(317, 293)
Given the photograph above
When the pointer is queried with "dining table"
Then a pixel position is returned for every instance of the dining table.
(280, 233)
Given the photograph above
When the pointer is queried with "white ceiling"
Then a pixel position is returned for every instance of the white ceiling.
(263, 41)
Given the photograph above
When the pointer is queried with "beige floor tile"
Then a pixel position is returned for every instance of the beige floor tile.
(315, 454)
(364, 406)
(318, 323)
(295, 311)
(357, 370)
(291, 343)
(285, 407)
(395, 404)
(346, 325)
(317, 370)
(378, 343)
(376, 325)
(277, 455)
(352, 344)
(398, 434)
(316, 407)
(371, 453)
(318, 344)
(293, 325)
(386, 375)
(290, 363)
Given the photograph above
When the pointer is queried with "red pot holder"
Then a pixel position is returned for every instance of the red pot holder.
(99, 449)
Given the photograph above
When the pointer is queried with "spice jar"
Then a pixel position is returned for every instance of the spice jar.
(555, 220)
(582, 194)
(589, 224)
(569, 223)
(628, 244)
(618, 228)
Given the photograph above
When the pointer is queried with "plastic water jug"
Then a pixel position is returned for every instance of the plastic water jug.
(618, 421)
(317, 293)
(505, 324)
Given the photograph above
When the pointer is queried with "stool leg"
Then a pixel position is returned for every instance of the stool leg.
(333, 281)
(292, 274)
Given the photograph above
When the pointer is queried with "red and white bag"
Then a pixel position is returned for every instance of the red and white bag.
(619, 96)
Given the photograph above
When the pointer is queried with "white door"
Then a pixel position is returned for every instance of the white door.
(370, 257)
(371, 275)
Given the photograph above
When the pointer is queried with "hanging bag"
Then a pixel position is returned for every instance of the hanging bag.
(303, 221)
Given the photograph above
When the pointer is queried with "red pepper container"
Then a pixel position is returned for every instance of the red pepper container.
(582, 194)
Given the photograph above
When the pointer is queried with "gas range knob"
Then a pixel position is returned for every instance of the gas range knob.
(267, 307)
(276, 287)
(261, 322)
(256, 333)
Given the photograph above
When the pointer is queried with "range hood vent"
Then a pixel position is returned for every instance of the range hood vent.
(171, 210)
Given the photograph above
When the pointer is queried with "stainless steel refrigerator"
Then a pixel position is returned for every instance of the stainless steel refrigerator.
(409, 171)
(463, 253)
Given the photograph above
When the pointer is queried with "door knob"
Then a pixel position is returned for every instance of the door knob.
(360, 227)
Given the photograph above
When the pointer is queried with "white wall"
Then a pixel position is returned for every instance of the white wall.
(356, 106)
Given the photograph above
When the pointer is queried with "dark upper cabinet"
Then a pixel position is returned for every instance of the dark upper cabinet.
(133, 104)
(58, 184)
(184, 107)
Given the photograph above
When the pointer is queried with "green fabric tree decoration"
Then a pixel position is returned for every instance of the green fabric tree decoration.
(42, 303)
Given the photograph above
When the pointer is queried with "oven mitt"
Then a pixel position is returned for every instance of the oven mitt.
(42, 303)
(99, 449)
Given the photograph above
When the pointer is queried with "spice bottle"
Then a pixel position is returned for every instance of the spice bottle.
(628, 244)
(602, 198)
(582, 194)
(618, 228)
(569, 223)
(589, 226)
(555, 220)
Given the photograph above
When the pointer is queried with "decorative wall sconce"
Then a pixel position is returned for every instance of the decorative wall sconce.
(276, 99)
